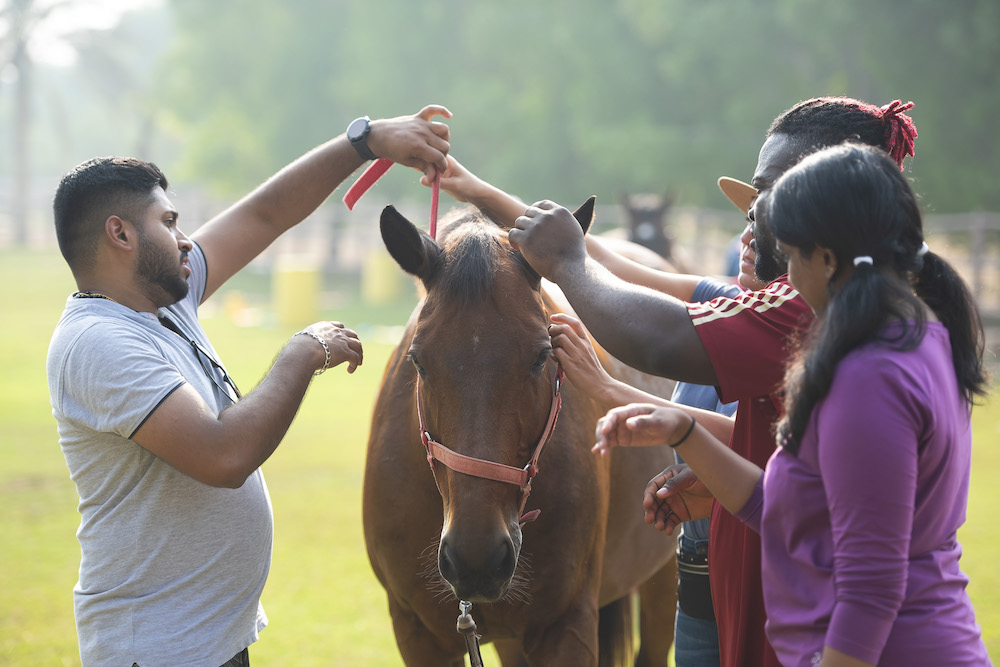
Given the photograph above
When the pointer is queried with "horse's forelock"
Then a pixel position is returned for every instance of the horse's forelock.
(474, 249)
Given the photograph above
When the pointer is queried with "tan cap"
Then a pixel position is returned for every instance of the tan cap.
(740, 193)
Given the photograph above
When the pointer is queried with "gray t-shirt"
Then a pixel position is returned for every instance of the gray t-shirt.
(171, 569)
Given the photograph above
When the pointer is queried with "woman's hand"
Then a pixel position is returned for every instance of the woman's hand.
(457, 181)
(576, 354)
(641, 425)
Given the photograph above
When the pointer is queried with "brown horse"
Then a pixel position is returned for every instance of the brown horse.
(474, 380)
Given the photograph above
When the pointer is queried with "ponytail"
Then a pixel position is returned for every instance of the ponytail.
(943, 290)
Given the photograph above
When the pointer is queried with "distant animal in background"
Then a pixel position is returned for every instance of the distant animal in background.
(647, 216)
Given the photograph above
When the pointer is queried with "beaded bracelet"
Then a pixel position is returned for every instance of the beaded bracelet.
(685, 436)
(326, 349)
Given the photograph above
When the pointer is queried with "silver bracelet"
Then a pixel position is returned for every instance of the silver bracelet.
(326, 349)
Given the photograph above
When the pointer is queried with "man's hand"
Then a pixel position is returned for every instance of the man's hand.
(550, 238)
(414, 141)
(674, 496)
(343, 343)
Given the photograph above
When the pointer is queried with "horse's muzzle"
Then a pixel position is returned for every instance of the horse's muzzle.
(477, 573)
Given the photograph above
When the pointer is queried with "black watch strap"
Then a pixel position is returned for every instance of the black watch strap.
(357, 134)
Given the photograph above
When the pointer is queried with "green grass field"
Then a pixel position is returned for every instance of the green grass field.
(324, 604)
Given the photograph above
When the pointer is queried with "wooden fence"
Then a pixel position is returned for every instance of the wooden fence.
(343, 243)
(971, 242)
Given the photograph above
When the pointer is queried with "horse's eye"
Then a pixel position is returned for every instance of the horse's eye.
(540, 362)
(416, 364)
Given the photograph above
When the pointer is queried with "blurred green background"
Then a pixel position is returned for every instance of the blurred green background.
(324, 603)
(558, 99)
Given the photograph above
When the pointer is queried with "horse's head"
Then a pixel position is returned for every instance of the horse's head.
(485, 378)
(647, 221)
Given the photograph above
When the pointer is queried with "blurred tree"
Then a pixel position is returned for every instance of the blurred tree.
(107, 69)
(115, 67)
(20, 18)
(567, 98)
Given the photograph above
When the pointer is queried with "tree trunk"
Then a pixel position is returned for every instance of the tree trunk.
(22, 127)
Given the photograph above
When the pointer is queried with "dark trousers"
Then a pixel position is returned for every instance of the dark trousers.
(241, 659)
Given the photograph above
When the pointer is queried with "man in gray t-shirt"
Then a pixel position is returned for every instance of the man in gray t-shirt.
(176, 525)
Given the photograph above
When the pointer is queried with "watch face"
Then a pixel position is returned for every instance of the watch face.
(356, 130)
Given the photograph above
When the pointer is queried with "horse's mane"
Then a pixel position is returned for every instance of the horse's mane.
(476, 249)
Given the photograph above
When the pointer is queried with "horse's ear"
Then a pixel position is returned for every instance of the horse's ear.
(585, 214)
(414, 251)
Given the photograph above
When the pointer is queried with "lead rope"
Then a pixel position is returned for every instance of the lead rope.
(374, 172)
(467, 628)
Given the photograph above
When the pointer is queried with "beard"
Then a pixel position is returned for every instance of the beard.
(161, 273)
(766, 266)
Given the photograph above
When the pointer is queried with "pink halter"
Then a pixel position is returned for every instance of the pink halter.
(490, 469)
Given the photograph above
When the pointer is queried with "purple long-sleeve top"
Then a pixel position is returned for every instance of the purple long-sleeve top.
(858, 530)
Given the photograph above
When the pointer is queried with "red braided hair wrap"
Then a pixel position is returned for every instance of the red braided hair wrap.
(899, 130)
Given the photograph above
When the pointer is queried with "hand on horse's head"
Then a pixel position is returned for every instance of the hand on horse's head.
(574, 351)
(551, 238)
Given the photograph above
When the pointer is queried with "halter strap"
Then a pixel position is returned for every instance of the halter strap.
(492, 470)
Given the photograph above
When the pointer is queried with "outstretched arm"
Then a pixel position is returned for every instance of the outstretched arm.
(504, 209)
(223, 450)
(726, 474)
(463, 185)
(647, 329)
(633, 316)
(578, 357)
(678, 285)
(241, 232)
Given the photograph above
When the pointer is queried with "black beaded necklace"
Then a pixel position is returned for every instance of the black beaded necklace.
(199, 351)
(91, 295)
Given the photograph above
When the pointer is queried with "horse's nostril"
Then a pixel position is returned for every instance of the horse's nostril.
(446, 562)
(505, 560)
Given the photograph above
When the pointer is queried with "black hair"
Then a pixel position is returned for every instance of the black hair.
(820, 122)
(92, 192)
(853, 201)
(828, 121)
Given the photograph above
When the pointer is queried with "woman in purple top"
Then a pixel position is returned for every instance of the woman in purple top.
(859, 506)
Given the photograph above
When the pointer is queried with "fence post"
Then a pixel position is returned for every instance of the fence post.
(978, 242)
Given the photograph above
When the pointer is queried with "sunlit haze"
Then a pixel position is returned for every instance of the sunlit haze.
(48, 44)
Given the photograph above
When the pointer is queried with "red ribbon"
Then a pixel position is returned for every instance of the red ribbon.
(374, 172)
(367, 179)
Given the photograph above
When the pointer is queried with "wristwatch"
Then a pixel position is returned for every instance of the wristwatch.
(357, 134)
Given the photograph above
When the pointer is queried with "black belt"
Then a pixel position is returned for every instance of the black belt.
(692, 563)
